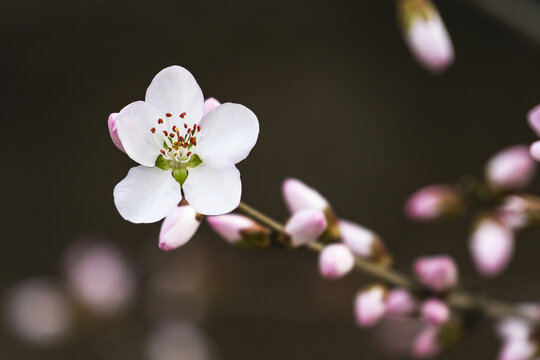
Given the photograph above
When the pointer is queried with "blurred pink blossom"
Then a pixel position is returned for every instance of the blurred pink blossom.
(432, 202)
(335, 261)
(512, 168)
(230, 226)
(517, 349)
(370, 306)
(426, 343)
(99, 276)
(437, 272)
(305, 226)
(435, 311)
(534, 150)
(491, 246)
(37, 311)
(359, 239)
(533, 118)
(210, 104)
(178, 227)
(399, 302)
(427, 37)
(298, 196)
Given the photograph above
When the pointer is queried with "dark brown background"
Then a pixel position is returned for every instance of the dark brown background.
(341, 105)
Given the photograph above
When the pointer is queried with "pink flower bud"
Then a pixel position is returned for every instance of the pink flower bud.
(435, 311)
(491, 246)
(426, 343)
(335, 261)
(399, 302)
(362, 241)
(230, 226)
(99, 277)
(370, 306)
(534, 150)
(210, 104)
(433, 202)
(299, 196)
(517, 349)
(426, 35)
(533, 118)
(437, 272)
(178, 227)
(114, 132)
(513, 213)
(305, 226)
(510, 169)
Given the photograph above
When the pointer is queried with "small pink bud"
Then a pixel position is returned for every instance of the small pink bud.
(517, 349)
(305, 226)
(210, 104)
(534, 150)
(299, 196)
(435, 311)
(513, 213)
(426, 343)
(511, 168)
(370, 306)
(399, 302)
(533, 118)
(178, 227)
(491, 246)
(358, 238)
(426, 35)
(230, 226)
(335, 261)
(437, 272)
(113, 131)
(433, 202)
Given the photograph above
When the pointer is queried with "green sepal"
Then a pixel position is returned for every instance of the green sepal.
(180, 174)
(162, 163)
(194, 161)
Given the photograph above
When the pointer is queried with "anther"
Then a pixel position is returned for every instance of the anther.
(153, 130)
(160, 121)
(185, 126)
(199, 128)
(168, 114)
(182, 115)
(165, 132)
(162, 151)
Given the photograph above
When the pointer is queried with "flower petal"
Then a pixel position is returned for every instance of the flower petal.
(300, 196)
(134, 124)
(230, 226)
(213, 187)
(147, 194)
(305, 226)
(335, 261)
(492, 247)
(228, 131)
(111, 122)
(174, 90)
(178, 227)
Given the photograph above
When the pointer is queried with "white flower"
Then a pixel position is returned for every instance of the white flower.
(181, 152)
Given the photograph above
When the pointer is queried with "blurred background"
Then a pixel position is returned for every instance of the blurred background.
(342, 106)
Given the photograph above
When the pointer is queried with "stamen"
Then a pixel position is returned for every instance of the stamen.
(153, 130)
(160, 121)
(182, 115)
(185, 126)
(162, 151)
(168, 114)
(165, 132)
(199, 128)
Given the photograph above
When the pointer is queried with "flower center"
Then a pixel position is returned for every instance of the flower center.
(179, 141)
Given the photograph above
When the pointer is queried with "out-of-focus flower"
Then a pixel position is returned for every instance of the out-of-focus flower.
(305, 226)
(435, 311)
(370, 305)
(37, 311)
(177, 340)
(426, 343)
(99, 276)
(426, 34)
(437, 272)
(517, 349)
(491, 246)
(433, 202)
(298, 196)
(511, 168)
(399, 302)
(363, 242)
(335, 261)
(240, 230)
(513, 213)
(181, 151)
(534, 150)
(179, 227)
